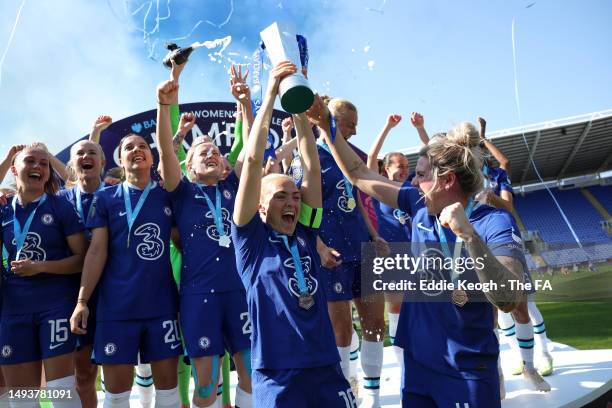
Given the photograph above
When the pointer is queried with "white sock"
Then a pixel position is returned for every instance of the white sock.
(524, 337)
(121, 400)
(144, 384)
(506, 325)
(539, 329)
(344, 360)
(65, 383)
(371, 364)
(243, 399)
(167, 398)
(354, 354)
(399, 352)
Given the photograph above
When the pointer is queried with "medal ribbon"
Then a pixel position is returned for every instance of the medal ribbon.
(295, 254)
(458, 241)
(19, 233)
(348, 187)
(131, 214)
(79, 202)
(216, 209)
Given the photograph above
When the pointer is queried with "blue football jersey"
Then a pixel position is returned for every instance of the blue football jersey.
(70, 194)
(394, 225)
(137, 280)
(342, 226)
(54, 220)
(454, 340)
(207, 265)
(284, 334)
(498, 180)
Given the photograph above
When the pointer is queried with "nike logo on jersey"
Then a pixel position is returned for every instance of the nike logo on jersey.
(122, 213)
(174, 346)
(6, 222)
(421, 226)
(326, 170)
(199, 196)
(54, 346)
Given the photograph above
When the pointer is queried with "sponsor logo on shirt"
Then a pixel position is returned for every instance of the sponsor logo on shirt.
(311, 283)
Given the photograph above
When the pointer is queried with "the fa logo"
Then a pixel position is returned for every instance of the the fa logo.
(7, 351)
(227, 194)
(47, 219)
(167, 211)
(204, 342)
(338, 287)
(110, 349)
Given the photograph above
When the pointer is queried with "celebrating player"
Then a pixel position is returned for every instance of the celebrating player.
(293, 342)
(213, 307)
(44, 242)
(129, 258)
(450, 349)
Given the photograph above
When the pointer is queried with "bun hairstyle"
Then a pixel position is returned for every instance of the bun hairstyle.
(457, 153)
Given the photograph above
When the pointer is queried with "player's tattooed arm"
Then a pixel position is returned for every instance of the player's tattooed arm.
(498, 269)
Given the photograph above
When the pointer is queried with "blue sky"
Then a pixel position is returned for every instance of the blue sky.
(72, 60)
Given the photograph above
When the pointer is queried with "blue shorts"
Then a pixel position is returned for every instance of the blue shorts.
(343, 282)
(120, 342)
(302, 388)
(425, 388)
(36, 336)
(213, 322)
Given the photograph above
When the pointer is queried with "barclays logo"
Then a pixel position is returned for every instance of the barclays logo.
(136, 127)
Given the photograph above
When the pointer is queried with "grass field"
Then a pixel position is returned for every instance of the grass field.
(580, 323)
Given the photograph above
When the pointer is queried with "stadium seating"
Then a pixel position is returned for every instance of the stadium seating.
(539, 213)
(603, 194)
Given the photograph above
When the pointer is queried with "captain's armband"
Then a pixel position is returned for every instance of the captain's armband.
(310, 217)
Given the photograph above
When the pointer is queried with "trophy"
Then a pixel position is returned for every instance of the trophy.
(294, 90)
(179, 55)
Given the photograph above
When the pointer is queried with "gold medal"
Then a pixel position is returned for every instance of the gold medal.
(351, 203)
(459, 297)
(306, 301)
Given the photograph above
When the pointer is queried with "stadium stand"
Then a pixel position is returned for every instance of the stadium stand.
(603, 194)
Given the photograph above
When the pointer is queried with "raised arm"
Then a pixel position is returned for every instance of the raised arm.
(419, 123)
(504, 163)
(8, 160)
(286, 150)
(95, 259)
(352, 166)
(169, 164)
(58, 166)
(311, 166)
(392, 121)
(249, 189)
(101, 123)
